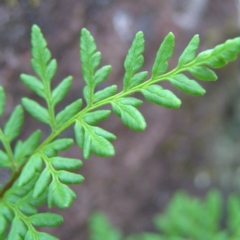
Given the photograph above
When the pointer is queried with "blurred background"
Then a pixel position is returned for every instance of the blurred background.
(194, 148)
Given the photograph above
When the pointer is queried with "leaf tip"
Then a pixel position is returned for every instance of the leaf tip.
(35, 27)
(139, 34)
(84, 31)
(170, 34)
(178, 103)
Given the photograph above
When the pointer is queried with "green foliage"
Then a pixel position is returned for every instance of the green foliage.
(188, 217)
(133, 62)
(184, 218)
(100, 228)
(2, 100)
(165, 52)
(38, 173)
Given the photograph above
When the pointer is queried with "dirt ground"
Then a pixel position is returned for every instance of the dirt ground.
(195, 147)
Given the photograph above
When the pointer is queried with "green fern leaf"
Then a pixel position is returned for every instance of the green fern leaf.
(220, 55)
(6, 212)
(104, 93)
(36, 110)
(39, 235)
(2, 100)
(91, 139)
(68, 112)
(101, 146)
(41, 56)
(95, 117)
(137, 79)
(87, 143)
(34, 84)
(69, 177)
(233, 207)
(26, 148)
(42, 183)
(189, 53)
(4, 162)
(213, 203)
(164, 52)
(203, 73)
(26, 208)
(101, 74)
(59, 145)
(60, 195)
(134, 59)
(51, 70)
(184, 84)
(13, 126)
(100, 228)
(3, 225)
(90, 60)
(61, 90)
(18, 229)
(45, 236)
(130, 116)
(33, 165)
(156, 94)
(79, 134)
(130, 101)
(60, 163)
(46, 219)
(101, 132)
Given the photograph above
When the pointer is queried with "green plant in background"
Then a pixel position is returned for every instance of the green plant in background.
(39, 175)
(185, 218)
(100, 228)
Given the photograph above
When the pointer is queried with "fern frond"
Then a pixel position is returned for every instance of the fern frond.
(39, 174)
(45, 68)
(20, 208)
